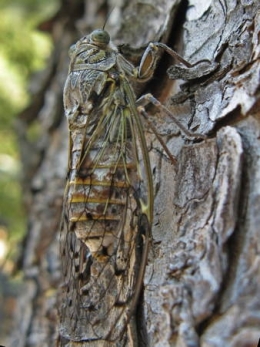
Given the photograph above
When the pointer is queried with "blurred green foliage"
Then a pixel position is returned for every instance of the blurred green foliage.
(23, 50)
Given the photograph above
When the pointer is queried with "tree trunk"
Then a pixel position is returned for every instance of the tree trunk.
(202, 281)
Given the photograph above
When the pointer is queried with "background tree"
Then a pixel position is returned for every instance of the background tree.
(202, 277)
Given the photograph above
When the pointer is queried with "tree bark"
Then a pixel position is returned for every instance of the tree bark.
(202, 281)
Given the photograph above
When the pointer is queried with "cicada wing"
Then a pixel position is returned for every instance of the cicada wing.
(106, 226)
(76, 261)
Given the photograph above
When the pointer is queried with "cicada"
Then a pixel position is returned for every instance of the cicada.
(108, 200)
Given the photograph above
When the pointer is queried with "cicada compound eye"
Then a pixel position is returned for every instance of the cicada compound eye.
(100, 37)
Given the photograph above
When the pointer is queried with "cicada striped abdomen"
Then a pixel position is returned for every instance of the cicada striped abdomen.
(108, 200)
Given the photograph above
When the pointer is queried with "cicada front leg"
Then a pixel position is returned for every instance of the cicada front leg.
(145, 72)
(145, 99)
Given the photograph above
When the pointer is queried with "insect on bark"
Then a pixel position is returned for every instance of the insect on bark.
(108, 200)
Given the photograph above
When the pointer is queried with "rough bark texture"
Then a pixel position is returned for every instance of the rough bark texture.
(202, 281)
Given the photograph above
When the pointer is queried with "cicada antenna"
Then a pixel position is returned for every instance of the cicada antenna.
(108, 16)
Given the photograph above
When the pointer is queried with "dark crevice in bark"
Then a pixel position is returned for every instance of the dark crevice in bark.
(231, 119)
(160, 81)
(141, 323)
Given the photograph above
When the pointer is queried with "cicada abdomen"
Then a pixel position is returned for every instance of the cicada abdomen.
(108, 199)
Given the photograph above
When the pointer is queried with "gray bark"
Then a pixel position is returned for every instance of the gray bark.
(202, 280)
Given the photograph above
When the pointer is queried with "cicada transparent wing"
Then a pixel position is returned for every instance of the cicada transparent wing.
(108, 199)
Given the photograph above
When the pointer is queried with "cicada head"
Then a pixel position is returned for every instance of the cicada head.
(99, 37)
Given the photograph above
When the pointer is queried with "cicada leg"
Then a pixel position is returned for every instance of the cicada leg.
(145, 99)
